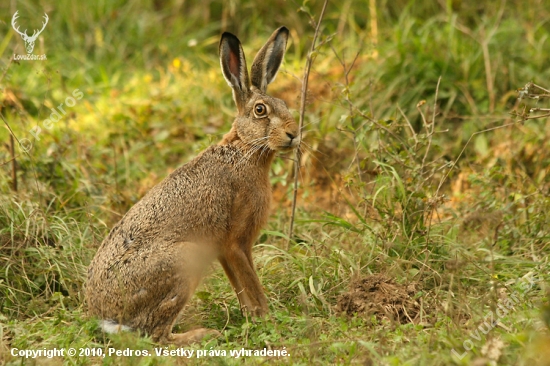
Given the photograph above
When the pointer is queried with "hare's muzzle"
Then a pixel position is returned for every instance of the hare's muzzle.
(293, 140)
(288, 137)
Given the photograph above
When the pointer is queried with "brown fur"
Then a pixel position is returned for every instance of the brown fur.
(213, 207)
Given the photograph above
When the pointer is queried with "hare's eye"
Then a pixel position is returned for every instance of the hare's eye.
(260, 110)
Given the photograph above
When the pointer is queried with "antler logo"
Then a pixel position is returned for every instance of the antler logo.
(29, 41)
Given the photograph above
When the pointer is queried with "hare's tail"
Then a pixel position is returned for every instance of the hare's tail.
(110, 326)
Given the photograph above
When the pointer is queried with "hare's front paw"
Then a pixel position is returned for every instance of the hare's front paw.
(254, 311)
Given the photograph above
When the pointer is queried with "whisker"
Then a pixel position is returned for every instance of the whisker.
(312, 152)
(264, 149)
(258, 139)
(255, 145)
(247, 155)
(301, 171)
(305, 145)
(316, 120)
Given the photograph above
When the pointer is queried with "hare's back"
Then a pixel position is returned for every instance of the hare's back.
(193, 202)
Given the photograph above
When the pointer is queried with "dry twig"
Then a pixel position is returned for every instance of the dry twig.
(303, 95)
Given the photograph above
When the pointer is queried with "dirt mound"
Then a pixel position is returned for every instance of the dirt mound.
(380, 296)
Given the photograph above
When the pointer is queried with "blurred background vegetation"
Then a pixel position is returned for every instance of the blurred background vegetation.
(413, 167)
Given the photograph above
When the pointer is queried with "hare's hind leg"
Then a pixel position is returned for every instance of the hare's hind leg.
(163, 320)
(192, 336)
(170, 276)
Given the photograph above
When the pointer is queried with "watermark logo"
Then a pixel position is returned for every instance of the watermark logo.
(504, 306)
(57, 114)
(29, 40)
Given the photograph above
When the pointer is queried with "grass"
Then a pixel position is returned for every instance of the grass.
(430, 182)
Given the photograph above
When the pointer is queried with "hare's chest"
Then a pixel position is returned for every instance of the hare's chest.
(251, 207)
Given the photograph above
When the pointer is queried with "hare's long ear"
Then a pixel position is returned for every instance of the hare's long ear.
(269, 58)
(234, 68)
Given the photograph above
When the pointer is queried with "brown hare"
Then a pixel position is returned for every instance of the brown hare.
(213, 207)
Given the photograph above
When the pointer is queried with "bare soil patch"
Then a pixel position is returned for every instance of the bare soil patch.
(381, 296)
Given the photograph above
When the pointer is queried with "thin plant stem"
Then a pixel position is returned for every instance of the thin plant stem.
(303, 95)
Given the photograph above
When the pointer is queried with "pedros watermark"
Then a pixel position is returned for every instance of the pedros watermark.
(503, 307)
(48, 123)
(29, 40)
